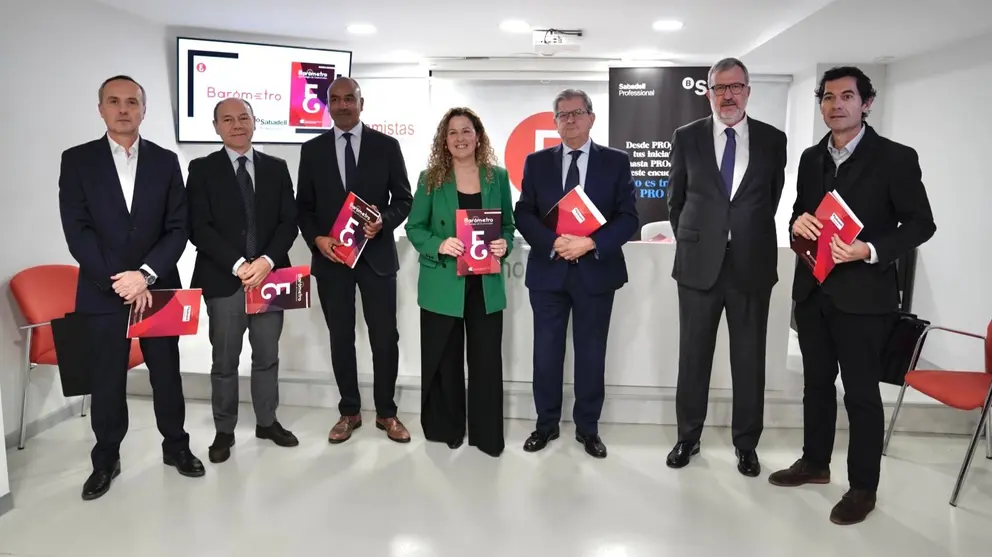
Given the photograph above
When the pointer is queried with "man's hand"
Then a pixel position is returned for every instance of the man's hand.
(129, 284)
(372, 229)
(141, 301)
(256, 273)
(451, 246)
(576, 247)
(560, 245)
(324, 244)
(844, 253)
(243, 270)
(807, 226)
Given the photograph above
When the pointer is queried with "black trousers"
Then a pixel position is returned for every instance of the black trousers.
(443, 343)
(109, 414)
(337, 301)
(747, 325)
(828, 337)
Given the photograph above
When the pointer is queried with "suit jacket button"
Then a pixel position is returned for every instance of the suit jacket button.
(445, 265)
(442, 223)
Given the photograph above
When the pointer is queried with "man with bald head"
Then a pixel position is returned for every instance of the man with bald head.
(352, 157)
(243, 223)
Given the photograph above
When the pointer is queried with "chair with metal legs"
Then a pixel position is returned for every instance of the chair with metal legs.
(963, 390)
(44, 293)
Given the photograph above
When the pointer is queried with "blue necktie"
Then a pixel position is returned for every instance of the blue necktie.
(727, 165)
(350, 165)
(572, 176)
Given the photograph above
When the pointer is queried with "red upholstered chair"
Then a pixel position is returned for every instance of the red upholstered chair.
(964, 390)
(44, 293)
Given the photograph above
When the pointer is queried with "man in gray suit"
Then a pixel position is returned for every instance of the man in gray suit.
(243, 219)
(726, 180)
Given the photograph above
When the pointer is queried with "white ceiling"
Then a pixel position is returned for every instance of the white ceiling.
(770, 35)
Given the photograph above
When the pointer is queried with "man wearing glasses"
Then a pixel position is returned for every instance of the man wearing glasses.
(726, 180)
(574, 275)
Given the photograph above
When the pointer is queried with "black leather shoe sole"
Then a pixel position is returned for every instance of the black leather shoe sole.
(532, 446)
(189, 473)
(91, 495)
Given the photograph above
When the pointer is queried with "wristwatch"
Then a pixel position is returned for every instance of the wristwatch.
(149, 278)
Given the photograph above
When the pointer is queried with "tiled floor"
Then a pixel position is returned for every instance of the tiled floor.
(370, 497)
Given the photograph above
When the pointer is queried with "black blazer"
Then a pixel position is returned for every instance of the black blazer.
(103, 237)
(382, 181)
(883, 187)
(702, 213)
(217, 218)
(609, 186)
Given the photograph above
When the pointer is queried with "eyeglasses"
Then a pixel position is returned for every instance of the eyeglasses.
(735, 88)
(571, 113)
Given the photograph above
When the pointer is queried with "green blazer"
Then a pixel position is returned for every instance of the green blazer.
(432, 220)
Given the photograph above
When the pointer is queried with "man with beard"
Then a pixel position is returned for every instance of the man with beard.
(726, 180)
(355, 158)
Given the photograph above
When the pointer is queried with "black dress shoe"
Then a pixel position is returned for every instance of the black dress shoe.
(680, 455)
(221, 448)
(99, 482)
(277, 434)
(540, 439)
(593, 444)
(187, 464)
(853, 507)
(456, 443)
(747, 463)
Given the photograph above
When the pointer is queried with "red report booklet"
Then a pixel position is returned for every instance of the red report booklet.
(348, 228)
(286, 288)
(837, 218)
(476, 228)
(172, 313)
(574, 214)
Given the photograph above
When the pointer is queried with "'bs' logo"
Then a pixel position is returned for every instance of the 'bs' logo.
(536, 132)
(201, 67)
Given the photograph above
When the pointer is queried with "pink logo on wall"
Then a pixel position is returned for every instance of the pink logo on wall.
(535, 132)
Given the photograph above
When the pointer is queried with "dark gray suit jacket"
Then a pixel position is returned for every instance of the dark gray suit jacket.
(702, 213)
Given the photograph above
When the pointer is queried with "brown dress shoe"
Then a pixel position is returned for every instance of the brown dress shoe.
(800, 473)
(341, 431)
(853, 507)
(394, 429)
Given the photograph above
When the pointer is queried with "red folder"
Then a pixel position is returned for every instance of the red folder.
(283, 289)
(476, 228)
(574, 214)
(837, 218)
(172, 313)
(348, 228)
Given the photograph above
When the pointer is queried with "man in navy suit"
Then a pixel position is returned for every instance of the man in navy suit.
(124, 215)
(574, 275)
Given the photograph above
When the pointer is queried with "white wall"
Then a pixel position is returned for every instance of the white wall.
(64, 49)
(802, 114)
(938, 104)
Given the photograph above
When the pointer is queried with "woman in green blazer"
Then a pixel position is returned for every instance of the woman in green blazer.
(459, 312)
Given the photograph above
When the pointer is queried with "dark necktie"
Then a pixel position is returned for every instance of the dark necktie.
(727, 165)
(572, 177)
(248, 197)
(350, 164)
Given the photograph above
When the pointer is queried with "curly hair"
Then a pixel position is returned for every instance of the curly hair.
(439, 164)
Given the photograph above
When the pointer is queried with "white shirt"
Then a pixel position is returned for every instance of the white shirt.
(582, 163)
(742, 155)
(250, 167)
(340, 143)
(126, 163)
(840, 156)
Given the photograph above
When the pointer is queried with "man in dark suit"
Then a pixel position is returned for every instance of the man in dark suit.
(353, 157)
(123, 208)
(846, 319)
(243, 219)
(574, 275)
(726, 180)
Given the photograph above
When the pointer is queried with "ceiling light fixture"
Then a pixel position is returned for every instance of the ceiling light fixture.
(361, 29)
(667, 25)
(514, 26)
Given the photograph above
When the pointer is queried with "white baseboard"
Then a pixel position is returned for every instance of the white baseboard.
(630, 405)
(71, 409)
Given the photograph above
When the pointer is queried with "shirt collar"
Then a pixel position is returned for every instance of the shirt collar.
(586, 147)
(740, 128)
(250, 153)
(851, 145)
(118, 148)
(356, 132)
